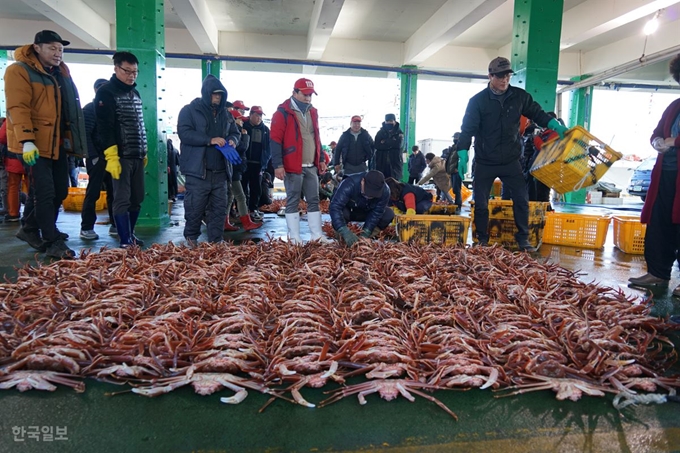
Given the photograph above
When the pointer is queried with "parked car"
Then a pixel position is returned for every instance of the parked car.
(642, 176)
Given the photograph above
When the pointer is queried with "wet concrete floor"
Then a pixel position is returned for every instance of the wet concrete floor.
(185, 422)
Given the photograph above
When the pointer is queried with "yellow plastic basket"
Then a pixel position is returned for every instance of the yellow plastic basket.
(443, 209)
(629, 234)
(502, 227)
(577, 161)
(577, 230)
(438, 229)
(76, 197)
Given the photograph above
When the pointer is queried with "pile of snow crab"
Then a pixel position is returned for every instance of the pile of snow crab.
(400, 320)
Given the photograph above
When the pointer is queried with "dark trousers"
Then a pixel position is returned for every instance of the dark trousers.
(97, 176)
(205, 194)
(128, 190)
(412, 179)
(172, 183)
(49, 182)
(359, 215)
(422, 206)
(456, 183)
(252, 185)
(513, 180)
(662, 238)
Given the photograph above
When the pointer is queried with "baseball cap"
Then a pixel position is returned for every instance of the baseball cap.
(98, 83)
(257, 109)
(48, 36)
(240, 105)
(306, 86)
(245, 118)
(356, 118)
(500, 64)
(333, 143)
(235, 114)
(374, 184)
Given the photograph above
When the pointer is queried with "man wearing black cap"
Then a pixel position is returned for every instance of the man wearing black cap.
(45, 123)
(493, 118)
(96, 171)
(361, 197)
(388, 143)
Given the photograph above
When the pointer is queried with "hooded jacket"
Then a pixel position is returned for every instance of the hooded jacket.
(348, 195)
(495, 124)
(286, 138)
(194, 124)
(34, 108)
(438, 173)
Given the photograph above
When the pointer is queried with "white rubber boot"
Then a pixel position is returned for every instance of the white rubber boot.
(293, 223)
(316, 232)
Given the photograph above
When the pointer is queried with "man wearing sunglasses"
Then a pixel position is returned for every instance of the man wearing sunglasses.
(492, 117)
(120, 125)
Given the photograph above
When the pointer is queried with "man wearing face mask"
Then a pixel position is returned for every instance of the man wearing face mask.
(44, 123)
(388, 143)
(297, 158)
(202, 126)
(493, 118)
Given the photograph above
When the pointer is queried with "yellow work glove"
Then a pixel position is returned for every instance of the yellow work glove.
(30, 154)
(146, 160)
(113, 161)
(410, 212)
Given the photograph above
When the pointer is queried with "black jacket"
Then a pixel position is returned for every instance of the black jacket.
(348, 194)
(261, 153)
(416, 165)
(195, 124)
(94, 149)
(393, 138)
(495, 125)
(120, 118)
(345, 151)
(242, 149)
(420, 194)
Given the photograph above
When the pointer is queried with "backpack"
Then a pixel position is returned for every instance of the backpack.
(452, 161)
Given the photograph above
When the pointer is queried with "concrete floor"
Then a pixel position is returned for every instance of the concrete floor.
(186, 422)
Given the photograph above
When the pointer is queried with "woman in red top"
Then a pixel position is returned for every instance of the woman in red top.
(15, 172)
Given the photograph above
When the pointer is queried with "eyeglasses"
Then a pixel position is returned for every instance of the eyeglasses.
(128, 71)
(507, 75)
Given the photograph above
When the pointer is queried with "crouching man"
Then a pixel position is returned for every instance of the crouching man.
(361, 197)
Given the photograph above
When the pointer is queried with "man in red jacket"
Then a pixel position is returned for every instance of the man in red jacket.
(297, 158)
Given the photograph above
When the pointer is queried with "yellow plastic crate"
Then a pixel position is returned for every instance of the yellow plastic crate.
(442, 209)
(577, 230)
(438, 229)
(76, 197)
(502, 227)
(578, 160)
(629, 234)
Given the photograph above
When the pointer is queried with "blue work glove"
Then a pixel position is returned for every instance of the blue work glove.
(230, 153)
(31, 154)
(557, 127)
(348, 236)
(462, 163)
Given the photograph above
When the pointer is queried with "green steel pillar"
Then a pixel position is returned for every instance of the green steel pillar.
(580, 105)
(140, 29)
(407, 114)
(209, 66)
(3, 66)
(536, 30)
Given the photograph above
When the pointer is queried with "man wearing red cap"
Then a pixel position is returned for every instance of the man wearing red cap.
(296, 156)
(355, 148)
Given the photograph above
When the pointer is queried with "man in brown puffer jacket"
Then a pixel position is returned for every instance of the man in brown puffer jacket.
(45, 122)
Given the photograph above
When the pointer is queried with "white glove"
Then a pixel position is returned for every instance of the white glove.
(659, 144)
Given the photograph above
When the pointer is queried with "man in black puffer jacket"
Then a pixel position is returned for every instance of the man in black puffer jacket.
(354, 149)
(493, 118)
(202, 126)
(120, 125)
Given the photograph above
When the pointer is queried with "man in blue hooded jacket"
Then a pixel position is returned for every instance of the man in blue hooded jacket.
(202, 126)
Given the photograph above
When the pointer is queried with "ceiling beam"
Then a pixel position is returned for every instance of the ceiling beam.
(595, 17)
(324, 17)
(76, 17)
(196, 16)
(445, 25)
